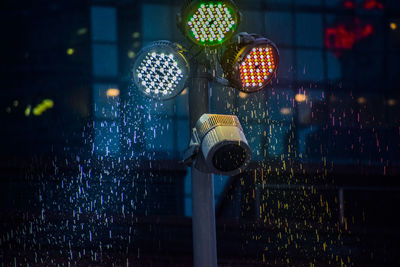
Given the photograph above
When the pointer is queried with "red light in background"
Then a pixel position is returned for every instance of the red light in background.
(343, 37)
(367, 31)
(339, 38)
(349, 4)
(367, 4)
(372, 4)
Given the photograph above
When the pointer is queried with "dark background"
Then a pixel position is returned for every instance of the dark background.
(96, 179)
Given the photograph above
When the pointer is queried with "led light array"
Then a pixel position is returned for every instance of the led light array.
(159, 74)
(257, 67)
(211, 22)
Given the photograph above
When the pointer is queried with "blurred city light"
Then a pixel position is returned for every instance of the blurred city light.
(136, 35)
(82, 31)
(300, 97)
(392, 102)
(131, 54)
(184, 92)
(70, 51)
(112, 92)
(242, 95)
(28, 110)
(361, 100)
(286, 111)
(42, 107)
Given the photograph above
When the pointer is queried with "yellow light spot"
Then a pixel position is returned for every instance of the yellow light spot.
(242, 95)
(392, 102)
(184, 92)
(286, 111)
(15, 103)
(81, 31)
(42, 107)
(37, 111)
(300, 98)
(136, 34)
(393, 26)
(70, 51)
(131, 54)
(112, 92)
(361, 100)
(48, 103)
(8, 110)
(28, 110)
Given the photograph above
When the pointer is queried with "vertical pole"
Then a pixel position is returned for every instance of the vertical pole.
(203, 215)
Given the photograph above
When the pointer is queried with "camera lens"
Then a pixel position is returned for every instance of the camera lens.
(229, 157)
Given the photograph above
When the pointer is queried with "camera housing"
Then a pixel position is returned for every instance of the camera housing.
(223, 144)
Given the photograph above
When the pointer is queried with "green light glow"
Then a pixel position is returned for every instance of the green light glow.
(211, 23)
(42, 107)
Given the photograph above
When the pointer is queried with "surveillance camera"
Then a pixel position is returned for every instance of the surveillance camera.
(222, 143)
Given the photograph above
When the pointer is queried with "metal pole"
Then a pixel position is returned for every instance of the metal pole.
(203, 216)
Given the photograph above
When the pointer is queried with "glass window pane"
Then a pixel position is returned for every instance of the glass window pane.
(105, 60)
(285, 68)
(156, 22)
(334, 66)
(279, 27)
(309, 30)
(104, 24)
(252, 21)
(309, 65)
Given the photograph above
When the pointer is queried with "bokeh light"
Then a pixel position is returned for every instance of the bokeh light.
(112, 92)
(361, 100)
(392, 102)
(286, 111)
(300, 97)
(70, 51)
